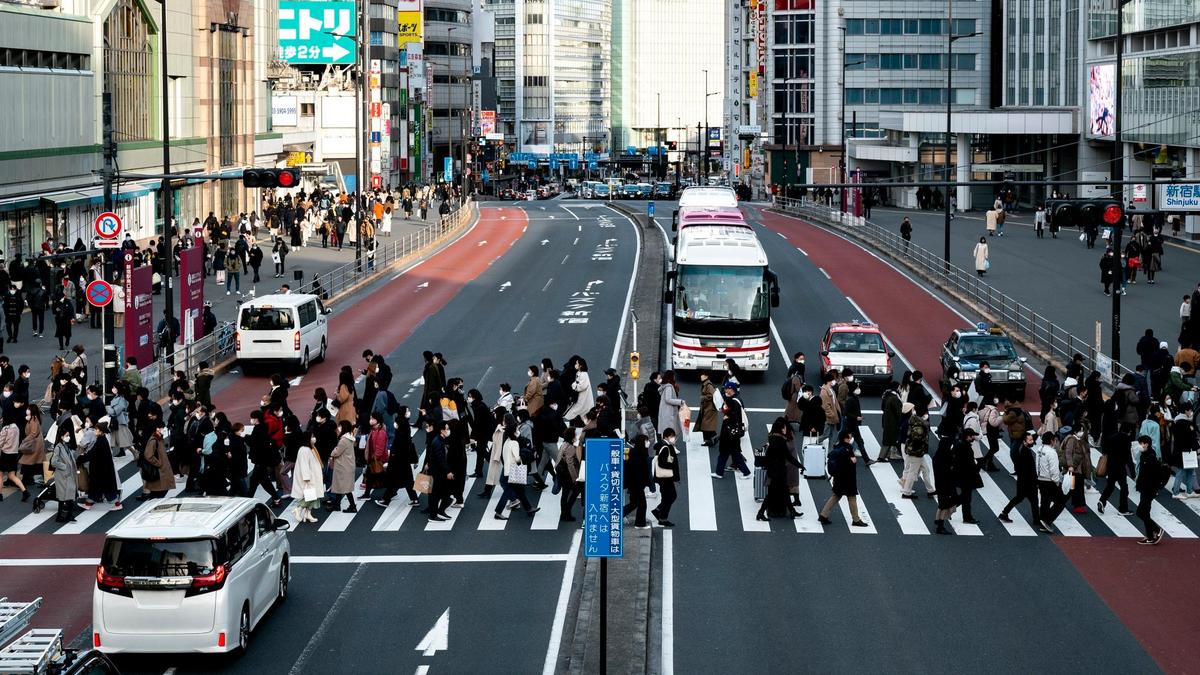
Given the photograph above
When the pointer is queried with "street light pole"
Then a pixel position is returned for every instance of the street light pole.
(951, 38)
(165, 189)
(703, 138)
(1118, 174)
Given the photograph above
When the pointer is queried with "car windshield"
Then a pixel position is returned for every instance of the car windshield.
(721, 292)
(871, 343)
(144, 558)
(266, 318)
(986, 347)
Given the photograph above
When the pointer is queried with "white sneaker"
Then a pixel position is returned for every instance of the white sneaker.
(742, 476)
(1180, 495)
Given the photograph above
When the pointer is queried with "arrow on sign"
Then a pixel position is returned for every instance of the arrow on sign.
(545, 241)
(505, 285)
(438, 637)
(334, 52)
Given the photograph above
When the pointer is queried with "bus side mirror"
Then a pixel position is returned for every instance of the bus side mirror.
(675, 220)
(775, 298)
(668, 292)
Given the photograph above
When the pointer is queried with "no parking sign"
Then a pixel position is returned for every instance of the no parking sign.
(99, 293)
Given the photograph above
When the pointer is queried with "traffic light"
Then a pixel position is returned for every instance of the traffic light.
(1104, 212)
(672, 145)
(635, 361)
(271, 178)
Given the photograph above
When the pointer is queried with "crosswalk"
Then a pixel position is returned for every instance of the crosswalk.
(706, 504)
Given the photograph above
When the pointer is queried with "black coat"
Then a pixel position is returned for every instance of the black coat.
(945, 475)
(845, 474)
(637, 469)
(966, 469)
(102, 473)
(1116, 446)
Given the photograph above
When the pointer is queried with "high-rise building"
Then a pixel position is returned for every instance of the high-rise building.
(448, 54)
(553, 68)
(661, 52)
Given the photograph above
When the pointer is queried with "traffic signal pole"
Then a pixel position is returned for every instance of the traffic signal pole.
(108, 352)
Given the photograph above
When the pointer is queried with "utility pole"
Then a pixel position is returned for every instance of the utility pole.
(165, 196)
(1118, 176)
(364, 129)
(109, 350)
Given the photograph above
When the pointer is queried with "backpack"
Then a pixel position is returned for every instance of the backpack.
(1028, 421)
(393, 406)
(917, 443)
(785, 391)
(832, 462)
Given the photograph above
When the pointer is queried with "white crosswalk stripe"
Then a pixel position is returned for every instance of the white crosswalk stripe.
(702, 512)
(1159, 513)
(550, 510)
(1065, 522)
(889, 483)
(452, 512)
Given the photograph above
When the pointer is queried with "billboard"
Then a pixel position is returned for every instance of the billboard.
(1102, 96)
(409, 14)
(487, 122)
(284, 111)
(317, 32)
(139, 311)
(191, 294)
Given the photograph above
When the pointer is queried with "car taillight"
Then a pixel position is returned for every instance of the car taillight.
(296, 341)
(108, 582)
(96, 640)
(221, 639)
(213, 579)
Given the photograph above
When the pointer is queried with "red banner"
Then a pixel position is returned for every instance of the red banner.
(139, 312)
(191, 294)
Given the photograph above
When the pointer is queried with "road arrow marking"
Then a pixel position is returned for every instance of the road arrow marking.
(423, 285)
(545, 241)
(482, 243)
(592, 283)
(438, 637)
(551, 217)
(504, 286)
(417, 381)
(295, 382)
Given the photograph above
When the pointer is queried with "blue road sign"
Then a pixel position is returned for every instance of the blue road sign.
(448, 169)
(317, 32)
(553, 164)
(604, 498)
(573, 164)
(649, 209)
(593, 165)
(485, 175)
(532, 164)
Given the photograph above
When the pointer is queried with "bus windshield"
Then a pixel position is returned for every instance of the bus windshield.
(718, 292)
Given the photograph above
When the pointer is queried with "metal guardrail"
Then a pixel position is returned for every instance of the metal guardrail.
(220, 346)
(1036, 331)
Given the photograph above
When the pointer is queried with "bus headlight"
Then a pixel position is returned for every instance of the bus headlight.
(882, 370)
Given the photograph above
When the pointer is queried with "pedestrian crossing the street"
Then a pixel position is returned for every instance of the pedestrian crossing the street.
(705, 504)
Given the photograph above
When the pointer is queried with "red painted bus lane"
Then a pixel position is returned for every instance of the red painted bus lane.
(389, 315)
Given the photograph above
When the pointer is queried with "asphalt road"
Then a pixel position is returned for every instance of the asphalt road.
(1060, 278)
(738, 594)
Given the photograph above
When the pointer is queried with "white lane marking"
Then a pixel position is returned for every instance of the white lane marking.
(1066, 522)
(1159, 513)
(668, 604)
(446, 525)
(331, 559)
(338, 521)
(575, 242)
(438, 637)
(782, 235)
(128, 488)
(802, 251)
(889, 483)
(326, 623)
(488, 520)
(779, 343)
(807, 523)
(560, 610)
(747, 507)
(995, 499)
(30, 522)
(548, 282)
(397, 511)
(844, 505)
(521, 322)
(579, 228)
(570, 212)
(637, 256)
(550, 508)
(702, 514)
(479, 385)
(564, 260)
(822, 271)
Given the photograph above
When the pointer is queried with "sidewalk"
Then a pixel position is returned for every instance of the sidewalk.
(1060, 278)
(310, 259)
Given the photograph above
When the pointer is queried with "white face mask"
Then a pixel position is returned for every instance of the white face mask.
(807, 395)
(857, 391)
(987, 370)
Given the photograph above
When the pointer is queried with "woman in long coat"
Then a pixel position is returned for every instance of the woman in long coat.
(582, 386)
(981, 256)
(102, 472)
(341, 461)
(780, 459)
(400, 462)
(669, 404)
(708, 418)
(893, 420)
(503, 419)
(155, 454)
(62, 460)
(533, 391)
(344, 399)
(308, 484)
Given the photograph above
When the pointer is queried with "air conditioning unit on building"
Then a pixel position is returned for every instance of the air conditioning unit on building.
(50, 4)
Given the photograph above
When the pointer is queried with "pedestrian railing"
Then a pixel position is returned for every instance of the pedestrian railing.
(1036, 331)
(220, 346)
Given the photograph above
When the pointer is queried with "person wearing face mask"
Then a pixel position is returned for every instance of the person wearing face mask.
(437, 465)
(155, 467)
(102, 472)
(707, 419)
(548, 428)
(7, 375)
(1108, 268)
(666, 475)
(21, 386)
(93, 405)
(198, 426)
(62, 460)
(792, 387)
(733, 373)
(341, 463)
(118, 415)
(401, 460)
(505, 397)
(952, 418)
(844, 386)
(983, 379)
(32, 449)
(376, 455)
(893, 418)
(797, 369)
(650, 396)
(812, 415)
(852, 418)
(831, 406)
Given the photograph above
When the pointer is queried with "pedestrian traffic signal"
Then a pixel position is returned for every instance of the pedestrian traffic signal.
(672, 145)
(1104, 212)
(271, 178)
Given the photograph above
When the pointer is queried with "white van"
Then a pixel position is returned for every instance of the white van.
(190, 574)
(290, 328)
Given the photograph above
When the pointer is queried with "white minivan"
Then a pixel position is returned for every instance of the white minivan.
(192, 574)
(291, 328)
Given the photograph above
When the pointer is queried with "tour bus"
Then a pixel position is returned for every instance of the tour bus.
(721, 291)
(703, 197)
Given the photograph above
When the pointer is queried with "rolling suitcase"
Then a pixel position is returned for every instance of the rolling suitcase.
(814, 458)
(760, 483)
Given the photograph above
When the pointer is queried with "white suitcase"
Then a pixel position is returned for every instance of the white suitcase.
(815, 456)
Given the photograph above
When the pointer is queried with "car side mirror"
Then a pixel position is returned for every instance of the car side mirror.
(1023, 359)
(825, 353)
(891, 355)
(328, 310)
(281, 525)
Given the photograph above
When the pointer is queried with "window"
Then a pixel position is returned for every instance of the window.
(933, 27)
(794, 29)
(536, 81)
(891, 26)
(891, 96)
(871, 96)
(930, 96)
(265, 519)
(964, 96)
(784, 5)
(854, 96)
(239, 539)
(963, 26)
(793, 64)
(910, 61)
(853, 27)
(128, 58)
(910, 96)
(266, 318)
(931, 61)
(308, 109)
(308, 313)
(227, 91)
(891, 61)
(964, 61)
